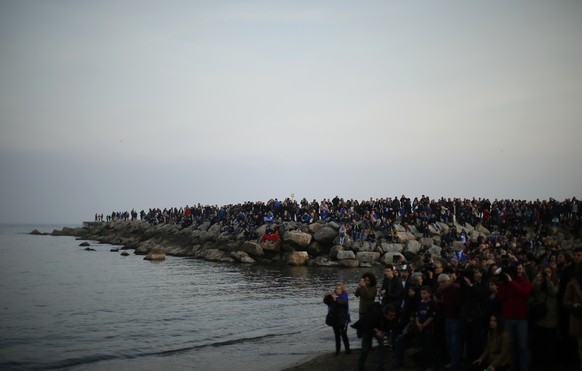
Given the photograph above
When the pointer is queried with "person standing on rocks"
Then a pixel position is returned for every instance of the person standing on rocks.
(338, 307)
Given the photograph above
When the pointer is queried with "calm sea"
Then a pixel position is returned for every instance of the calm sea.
(65, 308)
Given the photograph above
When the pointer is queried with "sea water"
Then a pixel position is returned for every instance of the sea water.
(62, 307)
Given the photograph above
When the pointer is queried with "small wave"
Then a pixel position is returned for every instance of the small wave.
(73, 362)
(223, 343)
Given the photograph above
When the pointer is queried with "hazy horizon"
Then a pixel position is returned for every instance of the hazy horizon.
(113, 105)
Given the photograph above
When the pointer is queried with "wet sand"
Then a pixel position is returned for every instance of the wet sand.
(343, 361)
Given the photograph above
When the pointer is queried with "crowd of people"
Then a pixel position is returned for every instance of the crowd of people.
(375, 219)
(478, 308)
(473, 315)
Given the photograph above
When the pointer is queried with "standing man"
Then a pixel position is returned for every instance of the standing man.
(366, 291)
(514, 292)
(392, 288)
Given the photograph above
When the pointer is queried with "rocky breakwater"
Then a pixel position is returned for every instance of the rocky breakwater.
(298, 243)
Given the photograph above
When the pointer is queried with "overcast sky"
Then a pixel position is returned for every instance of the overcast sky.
(114, 105)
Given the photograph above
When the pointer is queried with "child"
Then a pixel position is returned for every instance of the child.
(425, 317)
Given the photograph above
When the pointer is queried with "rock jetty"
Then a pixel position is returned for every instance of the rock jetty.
(297, 243)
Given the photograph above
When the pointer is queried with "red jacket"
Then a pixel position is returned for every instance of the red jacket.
(514, 297)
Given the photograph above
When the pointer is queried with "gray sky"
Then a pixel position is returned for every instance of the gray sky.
(113, 105)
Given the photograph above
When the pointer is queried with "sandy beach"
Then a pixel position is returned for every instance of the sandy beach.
(331, 362)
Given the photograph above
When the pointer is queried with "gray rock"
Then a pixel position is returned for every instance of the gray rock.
(243, 257)
(323, 261)
(481, 229)
(297, 258)
(214, 230)
(405, 236)
(343, 255)
(413, 246)
(334, 251)
(314, 227)
(252, 249)
(212, 254)
(388, 258)
(298, 238)
(325, 235)
(367, 257)
(392, 247)
(426, 241)
(156, 254)
(349, 263)
(317, 248)
(334, 225)
(435, 250)
(204, 226)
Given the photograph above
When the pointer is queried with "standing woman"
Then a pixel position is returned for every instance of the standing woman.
(337, 304)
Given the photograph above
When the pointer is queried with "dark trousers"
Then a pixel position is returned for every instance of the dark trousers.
(367, 340)
(544, 347)
(341, 333)
(429, 351)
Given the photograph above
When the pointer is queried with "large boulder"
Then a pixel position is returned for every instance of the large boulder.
(297, 258)
(212, 254)
(334, 225)
(368, 257)
(317, 248)
(362, 246)
(204, 226)
(241, 256)
(392, 247)
(433, 230)
(426, 241)
(435, 250)
(415, 232)
(388, 258)
(413, 246)
(399, 228)
(156, 254)
(405, 236)
(298, 238)
(481, 229)
(314, 227)
(334, 251)
(349, 263)
(325, 235)
(342, 255)
(252, 249)
(206, 236)
(324, 261)
(214, 230)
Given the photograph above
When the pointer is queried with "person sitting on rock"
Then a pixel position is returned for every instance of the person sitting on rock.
(270, 236)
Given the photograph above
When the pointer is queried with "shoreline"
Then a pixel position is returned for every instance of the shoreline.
(330, 362)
